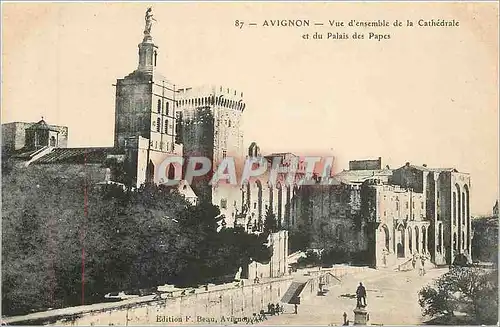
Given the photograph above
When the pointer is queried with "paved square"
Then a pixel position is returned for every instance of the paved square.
(392, 299)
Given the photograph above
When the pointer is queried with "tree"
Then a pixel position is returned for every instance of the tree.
(465, 289)
(270, 224)
(301, 238)
(127, 240)
(209, 255)
(312, 259)
(84, 240)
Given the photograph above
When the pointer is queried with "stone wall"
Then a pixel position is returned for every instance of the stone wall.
(228, 301)
(14, 135)
(365, 164)
(278, 264)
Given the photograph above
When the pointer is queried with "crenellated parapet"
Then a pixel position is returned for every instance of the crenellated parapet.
(211, 96)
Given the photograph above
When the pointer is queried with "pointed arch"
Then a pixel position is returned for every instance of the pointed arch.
(440, 237)
(279, 213)
(400, 239)
(467, 216)
(424, 240)
(410, 239)
(385, 236)
(417, 245)
(258, 185)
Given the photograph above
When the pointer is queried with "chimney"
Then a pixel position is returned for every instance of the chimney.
(425, 165)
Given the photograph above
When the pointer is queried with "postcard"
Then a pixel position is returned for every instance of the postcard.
(256, 163)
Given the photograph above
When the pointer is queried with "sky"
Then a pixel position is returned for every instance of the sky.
(426, 95)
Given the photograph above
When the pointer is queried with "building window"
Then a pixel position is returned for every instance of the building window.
(166, 108)
(413, 204)
(53, 141)
(159, 106)
(421, 205)
(166, 126)
(406, 205)
(158, 125)
(224, 154)
(223, 203)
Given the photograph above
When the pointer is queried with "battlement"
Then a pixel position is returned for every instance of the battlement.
(210, 96)
(204, 90)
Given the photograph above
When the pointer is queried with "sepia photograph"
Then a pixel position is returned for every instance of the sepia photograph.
(250, 163)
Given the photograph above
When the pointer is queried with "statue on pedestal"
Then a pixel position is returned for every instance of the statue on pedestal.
(149, 21)
(361, 296)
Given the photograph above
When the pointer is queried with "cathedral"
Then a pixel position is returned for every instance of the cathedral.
(382, 216)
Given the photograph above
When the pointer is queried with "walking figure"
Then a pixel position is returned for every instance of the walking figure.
(361, 295)
(277, 308)
(423, 265)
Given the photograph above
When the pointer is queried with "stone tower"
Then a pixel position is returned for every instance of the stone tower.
(209, 125)
(145, 111)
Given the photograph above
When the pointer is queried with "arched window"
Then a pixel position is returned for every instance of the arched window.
(440, 236)
(167, 108)
(166, 126)
(158, 125)
(463, 208)
(171, 172)
(454, 208)
(52, 141)
(159, 106)
(410, 239)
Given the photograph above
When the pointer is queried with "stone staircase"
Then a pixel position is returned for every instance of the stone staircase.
(404, 265)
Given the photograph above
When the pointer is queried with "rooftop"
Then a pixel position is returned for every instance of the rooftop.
(75, 155)
(359, 176)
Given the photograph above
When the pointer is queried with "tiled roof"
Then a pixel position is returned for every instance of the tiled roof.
(26, 153)
(75, 155)
(42, 125)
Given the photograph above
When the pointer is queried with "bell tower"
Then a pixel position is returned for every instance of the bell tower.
(148, 51)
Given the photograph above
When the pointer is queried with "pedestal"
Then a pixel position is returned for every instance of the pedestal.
(361, 316)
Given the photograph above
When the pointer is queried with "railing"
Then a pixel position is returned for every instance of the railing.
(405, 266)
